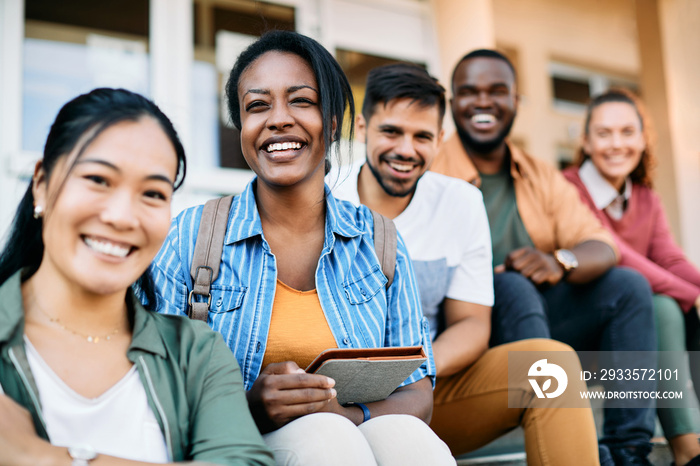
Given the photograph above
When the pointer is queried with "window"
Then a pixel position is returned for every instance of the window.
(571, 90)
(221, 31)
(74, 46)
(573, 86)
(356, 65)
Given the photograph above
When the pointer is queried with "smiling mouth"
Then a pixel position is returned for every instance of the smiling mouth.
(107, 247)
(282, 146)
(617, 158)
(483, 118)
(401, 167)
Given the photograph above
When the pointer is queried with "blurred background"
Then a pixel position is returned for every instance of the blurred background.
(179, 53)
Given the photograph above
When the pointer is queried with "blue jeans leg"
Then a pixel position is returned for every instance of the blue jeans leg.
(519, 310)
(612, 313)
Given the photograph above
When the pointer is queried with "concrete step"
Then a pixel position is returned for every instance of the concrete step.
(509, 450)
(659, 456)
(510, 459)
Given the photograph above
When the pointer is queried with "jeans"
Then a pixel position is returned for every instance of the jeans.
(611, 313)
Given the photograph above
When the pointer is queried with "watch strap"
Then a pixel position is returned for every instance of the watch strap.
(365, 411)
(568, 265)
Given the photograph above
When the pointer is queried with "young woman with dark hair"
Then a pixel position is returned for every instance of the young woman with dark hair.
(299, 273)
(87, 372)
(613, 176)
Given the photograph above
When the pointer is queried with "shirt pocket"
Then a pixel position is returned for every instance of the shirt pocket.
(361, 286)
(226, 298)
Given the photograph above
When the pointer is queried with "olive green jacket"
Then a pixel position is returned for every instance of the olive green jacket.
(192, 381)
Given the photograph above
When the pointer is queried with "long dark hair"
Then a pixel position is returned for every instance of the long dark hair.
(77, 124)
(334, 88)
(644, 171)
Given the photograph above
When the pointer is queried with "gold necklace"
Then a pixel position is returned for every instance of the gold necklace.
(89, 338)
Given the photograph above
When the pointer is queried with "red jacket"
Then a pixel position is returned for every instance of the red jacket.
(646, 244)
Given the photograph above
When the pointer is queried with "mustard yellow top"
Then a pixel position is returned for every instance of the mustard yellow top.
(298, 328)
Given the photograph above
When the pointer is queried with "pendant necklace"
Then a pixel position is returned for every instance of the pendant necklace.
(88, 338)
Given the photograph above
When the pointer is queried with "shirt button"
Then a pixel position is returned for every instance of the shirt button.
(363, 292)
(257, 347)
(219, 302)
(346, 341)
(425, 324)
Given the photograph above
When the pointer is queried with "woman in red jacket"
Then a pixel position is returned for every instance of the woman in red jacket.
(613, 175)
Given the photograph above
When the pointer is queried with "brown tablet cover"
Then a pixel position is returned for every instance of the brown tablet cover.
(367, 374)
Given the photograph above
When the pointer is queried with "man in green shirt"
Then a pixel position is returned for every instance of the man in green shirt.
(553, 261)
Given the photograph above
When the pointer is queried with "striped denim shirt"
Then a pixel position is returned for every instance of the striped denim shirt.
(360, 311)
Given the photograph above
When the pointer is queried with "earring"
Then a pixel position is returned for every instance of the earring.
(38, 211)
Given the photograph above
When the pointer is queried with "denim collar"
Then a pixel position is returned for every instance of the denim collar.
(244, 219)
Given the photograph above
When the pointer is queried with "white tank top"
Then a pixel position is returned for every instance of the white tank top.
(117, 423)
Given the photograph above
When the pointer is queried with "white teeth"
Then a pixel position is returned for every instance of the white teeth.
(109, 249)
(483, 118)
(401, 167)
(283, 146)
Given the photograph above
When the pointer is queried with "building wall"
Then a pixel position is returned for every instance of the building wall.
(679, 39)
(598, 34)
(651, 44)
(601, 36)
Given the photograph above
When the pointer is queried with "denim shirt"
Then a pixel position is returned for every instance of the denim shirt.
(359, 309)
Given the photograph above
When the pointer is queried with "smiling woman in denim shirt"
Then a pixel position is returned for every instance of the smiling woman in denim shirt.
(299, 273)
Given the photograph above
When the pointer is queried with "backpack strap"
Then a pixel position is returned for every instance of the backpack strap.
(385, 244)
(210, 244)
(207, 254)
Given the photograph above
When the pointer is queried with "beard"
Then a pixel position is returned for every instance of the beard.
(483, 147)
(390, 190)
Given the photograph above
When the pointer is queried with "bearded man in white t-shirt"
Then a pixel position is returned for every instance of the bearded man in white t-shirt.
(444, 225)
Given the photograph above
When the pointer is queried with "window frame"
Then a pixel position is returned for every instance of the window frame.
(171, 50)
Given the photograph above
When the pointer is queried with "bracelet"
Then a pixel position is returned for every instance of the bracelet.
(365, 411)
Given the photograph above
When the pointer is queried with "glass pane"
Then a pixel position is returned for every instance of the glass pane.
(74, 46)
(356, 66)
(221, 32)
(570, 90)
(117, 16)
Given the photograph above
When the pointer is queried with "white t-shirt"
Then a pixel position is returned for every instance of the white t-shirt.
(118, 423)
(446, 231)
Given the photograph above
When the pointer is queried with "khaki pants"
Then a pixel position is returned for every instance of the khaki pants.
(471, 409)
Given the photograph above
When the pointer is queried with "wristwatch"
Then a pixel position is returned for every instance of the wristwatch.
(566, 259)
(82, 455)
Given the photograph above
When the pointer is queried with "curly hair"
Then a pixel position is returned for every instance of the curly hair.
(643, 173)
